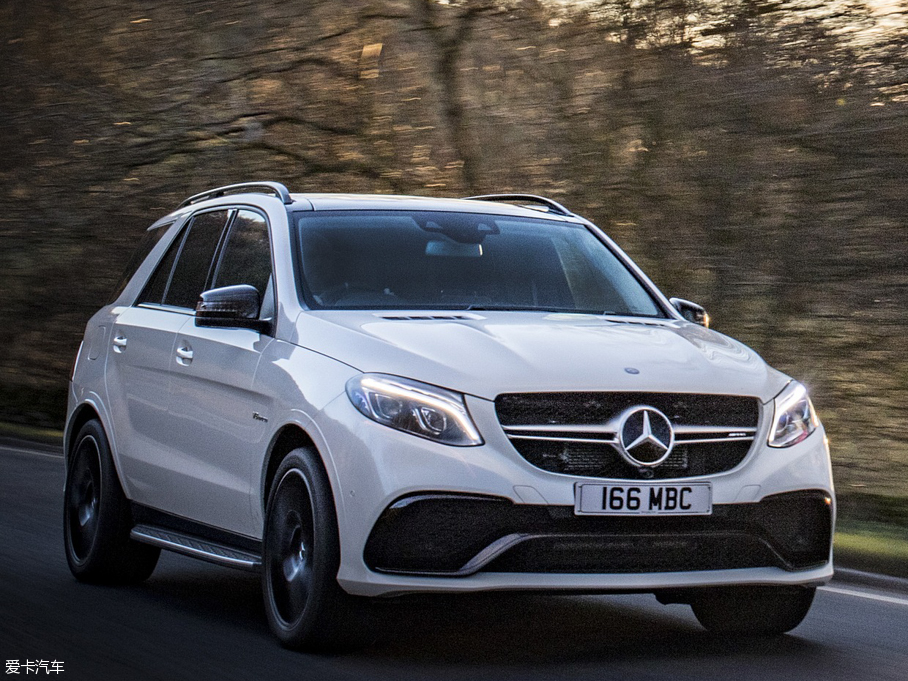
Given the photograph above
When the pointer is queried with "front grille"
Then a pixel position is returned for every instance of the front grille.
(604, 461)
(576, 433)
(582, 408)
(459, 535)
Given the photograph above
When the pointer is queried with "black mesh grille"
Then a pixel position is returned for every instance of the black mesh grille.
(582, 408)
(604, 461)
(443, 533)
(597, 459)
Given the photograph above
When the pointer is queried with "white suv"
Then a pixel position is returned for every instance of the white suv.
(380, 395)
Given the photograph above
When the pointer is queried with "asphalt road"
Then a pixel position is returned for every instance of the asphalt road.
(196, 621)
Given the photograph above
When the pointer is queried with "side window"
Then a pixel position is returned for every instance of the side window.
(194, 261)
(149, 240)
(246, 258)
(157, 285)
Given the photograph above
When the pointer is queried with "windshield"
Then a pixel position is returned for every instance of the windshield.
(463, 261)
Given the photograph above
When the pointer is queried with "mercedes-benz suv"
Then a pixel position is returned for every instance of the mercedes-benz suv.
(368, 395)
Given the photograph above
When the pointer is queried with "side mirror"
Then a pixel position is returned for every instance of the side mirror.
(231, 307)
(691, 311)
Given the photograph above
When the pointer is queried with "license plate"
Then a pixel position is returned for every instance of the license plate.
(694, 498)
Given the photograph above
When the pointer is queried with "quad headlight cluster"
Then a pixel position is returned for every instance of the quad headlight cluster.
(794, 417)
(413, 407)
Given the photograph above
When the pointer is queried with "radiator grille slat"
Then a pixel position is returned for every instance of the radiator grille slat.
(569, 433)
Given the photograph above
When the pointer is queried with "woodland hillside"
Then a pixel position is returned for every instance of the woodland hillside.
(752, 155)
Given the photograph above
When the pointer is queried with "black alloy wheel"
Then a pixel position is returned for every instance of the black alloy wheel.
(305, 606)
(83, 498)
(97, 519)
(290, 549)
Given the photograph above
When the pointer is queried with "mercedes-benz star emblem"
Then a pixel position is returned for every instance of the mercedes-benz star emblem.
(645, 436)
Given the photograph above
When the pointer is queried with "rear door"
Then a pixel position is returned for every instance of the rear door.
(143, 352)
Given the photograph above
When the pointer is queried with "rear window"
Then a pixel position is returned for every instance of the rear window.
(146, 245)
(193, 266)
(182, 274)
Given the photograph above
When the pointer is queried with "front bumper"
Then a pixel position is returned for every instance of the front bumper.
(416, 516)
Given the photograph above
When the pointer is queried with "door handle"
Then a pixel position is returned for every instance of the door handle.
(184, 355)
(119, 344)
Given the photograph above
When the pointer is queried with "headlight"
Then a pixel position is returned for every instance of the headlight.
(794, 417)
(413, 407)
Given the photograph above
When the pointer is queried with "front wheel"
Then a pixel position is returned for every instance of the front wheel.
(305, 606)
(97, 519)
(753, 611)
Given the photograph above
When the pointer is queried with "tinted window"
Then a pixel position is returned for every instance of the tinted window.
(392, 259)
(149, 240)
(246, 258)
(194, 262)
(157, 285)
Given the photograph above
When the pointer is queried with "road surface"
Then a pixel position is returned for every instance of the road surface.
(196, 621)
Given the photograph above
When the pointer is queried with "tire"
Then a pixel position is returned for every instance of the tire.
(305, 606)
(753, 611)
(97, 519)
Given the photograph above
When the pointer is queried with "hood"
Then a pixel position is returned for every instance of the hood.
(489, 353)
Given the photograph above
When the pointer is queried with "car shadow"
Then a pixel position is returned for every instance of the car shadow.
(506, 628)
(493, 629)
(232, 597)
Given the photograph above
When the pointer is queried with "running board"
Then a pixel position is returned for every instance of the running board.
(196, 548)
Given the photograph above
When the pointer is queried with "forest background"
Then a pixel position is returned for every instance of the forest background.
(751, 155)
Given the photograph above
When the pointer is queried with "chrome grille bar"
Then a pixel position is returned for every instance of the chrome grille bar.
(684, 434)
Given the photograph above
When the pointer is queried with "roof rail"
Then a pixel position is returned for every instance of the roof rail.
(276, 188)
(553, 206)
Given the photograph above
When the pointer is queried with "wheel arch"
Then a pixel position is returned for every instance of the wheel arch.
(291, 436)
(92, 408)
(81, 415)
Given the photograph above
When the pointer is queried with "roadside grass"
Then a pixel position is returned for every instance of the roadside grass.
(872, 547)
(49, 436)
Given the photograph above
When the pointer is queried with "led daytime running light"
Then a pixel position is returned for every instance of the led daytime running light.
(413, 407)
(794, 418)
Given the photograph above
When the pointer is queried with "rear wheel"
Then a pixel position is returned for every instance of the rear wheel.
(96, 517)
(305, 606)
(753, 611)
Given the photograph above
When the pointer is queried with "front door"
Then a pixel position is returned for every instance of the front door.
(215, 415)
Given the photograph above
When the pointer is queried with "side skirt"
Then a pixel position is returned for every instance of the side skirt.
(195, 540)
